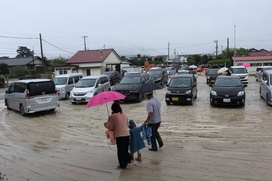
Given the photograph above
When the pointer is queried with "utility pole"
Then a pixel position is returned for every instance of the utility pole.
(41, 50)
(101, 70)
(84, 37)
(168, 50)
(216, 47)
(234, 40)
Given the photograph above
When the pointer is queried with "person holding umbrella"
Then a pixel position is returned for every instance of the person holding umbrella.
(154, 120)
(118, 122)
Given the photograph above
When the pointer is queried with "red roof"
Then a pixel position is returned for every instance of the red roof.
(258, 55)
(90, 56)
(252, 58)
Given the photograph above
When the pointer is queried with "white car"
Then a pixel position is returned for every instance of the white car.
(89, 86)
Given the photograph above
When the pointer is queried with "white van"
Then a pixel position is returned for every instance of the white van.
(32, 95)
(89, 86)
(240, 71)
(65, 83)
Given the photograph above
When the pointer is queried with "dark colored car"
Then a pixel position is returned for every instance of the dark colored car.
(227, 90)
(130, 84)
(114, 76)
(211, 75)
(181, 89)
(158, 75)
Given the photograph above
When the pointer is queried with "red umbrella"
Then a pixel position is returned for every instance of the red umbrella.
(246, 64)
(104, 97)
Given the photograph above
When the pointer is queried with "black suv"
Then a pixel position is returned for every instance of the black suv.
(114, 76)
(130, 84)
(158, 75)
(181, 89)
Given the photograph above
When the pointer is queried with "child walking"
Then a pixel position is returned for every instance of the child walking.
(136, 140)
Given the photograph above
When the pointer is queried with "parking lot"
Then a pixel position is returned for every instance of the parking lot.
(201, 143)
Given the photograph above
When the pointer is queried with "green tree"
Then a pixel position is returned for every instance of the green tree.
(24, 52)
(220, 62)
(3, 69)
(19, 71)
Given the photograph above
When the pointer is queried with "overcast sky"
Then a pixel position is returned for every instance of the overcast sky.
(144, 27)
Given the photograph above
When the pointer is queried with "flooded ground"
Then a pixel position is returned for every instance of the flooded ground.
(201, 143)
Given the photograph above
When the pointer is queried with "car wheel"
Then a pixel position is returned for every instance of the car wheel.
(7, 104)
(266, 99)
(167, 103)
(140, 97)
(22, 110)
(67, 95)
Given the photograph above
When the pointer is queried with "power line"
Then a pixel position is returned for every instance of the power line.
(16, 37)
(57, 47)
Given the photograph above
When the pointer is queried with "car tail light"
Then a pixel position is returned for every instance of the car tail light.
(27, 95)
(56, 91)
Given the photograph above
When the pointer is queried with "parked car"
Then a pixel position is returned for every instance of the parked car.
(181, 89)
(227, 90)
(114, 76)
(32, 95)
(187, 72)
(260, 70)
(158, 75)
(130, 84)
(266, 87)
(65, 83)
(240, 71)
(211, 75)
(89, 86)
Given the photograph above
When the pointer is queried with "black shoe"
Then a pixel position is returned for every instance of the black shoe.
(121, 167)
(161, 145)
(150, 149)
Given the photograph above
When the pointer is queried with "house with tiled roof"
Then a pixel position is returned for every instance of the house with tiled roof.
(30, 63)
(255, 58)
(91, 62)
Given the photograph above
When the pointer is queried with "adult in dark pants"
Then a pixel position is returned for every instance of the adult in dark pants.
(118, 122)
(154, 120)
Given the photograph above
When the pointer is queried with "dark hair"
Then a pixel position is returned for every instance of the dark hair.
(116, 108)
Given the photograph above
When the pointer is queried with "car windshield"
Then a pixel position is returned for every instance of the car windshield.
(180, 82)
(213, 72)
(131, 80)
(60, 80)
(155, 72)
(85, 83)
(238, 71)
(227, 83)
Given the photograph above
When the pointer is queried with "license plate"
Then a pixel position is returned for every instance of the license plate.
(175, 98)
(44, 100)
(78, 99)
(226, 100)
(212, 80)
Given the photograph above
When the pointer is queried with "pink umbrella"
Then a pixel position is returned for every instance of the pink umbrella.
(246, 64)
(104, 97)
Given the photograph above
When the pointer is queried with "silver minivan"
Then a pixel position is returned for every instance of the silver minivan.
(89, 86)
(32, 95)
(260, 70)
(65, 83)
(266, 87)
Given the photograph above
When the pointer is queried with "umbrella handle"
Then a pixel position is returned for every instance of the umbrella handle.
(108, 110)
